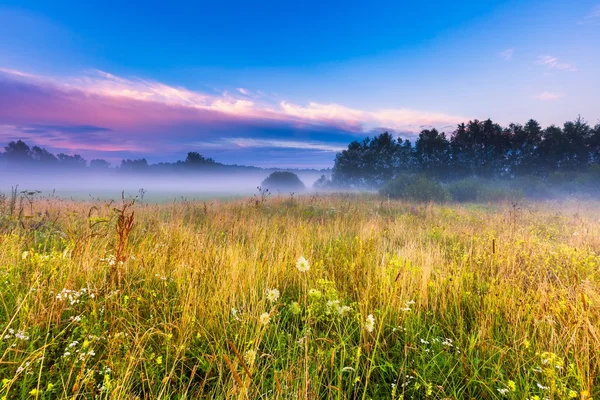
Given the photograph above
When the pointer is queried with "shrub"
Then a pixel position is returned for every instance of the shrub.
(495, 193)
(283, 181)
(416, 188)
(323, 183)
(466, 190)
(533, 187)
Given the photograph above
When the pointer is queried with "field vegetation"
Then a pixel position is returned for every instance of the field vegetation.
(329, 296)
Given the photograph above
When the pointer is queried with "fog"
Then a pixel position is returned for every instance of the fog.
(158, 187)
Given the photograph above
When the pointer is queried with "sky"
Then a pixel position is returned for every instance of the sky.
(285, 83)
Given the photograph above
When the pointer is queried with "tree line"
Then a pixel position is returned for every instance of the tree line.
(19, 155)
(474, 149)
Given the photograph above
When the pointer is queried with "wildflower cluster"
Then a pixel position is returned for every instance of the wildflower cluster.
(74, 297)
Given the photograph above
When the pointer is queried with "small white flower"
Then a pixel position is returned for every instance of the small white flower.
(343, 310)
(542, 387)
(264, 318)
(24, 255)
(272, 295)
(302, 264)
(503, 391)
(370, 323)
(21, 335)
(333, 306)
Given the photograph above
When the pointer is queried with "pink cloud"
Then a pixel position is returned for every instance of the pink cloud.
(145, 116)
(548, 96)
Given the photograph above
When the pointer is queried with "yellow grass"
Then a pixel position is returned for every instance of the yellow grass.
(471, 301)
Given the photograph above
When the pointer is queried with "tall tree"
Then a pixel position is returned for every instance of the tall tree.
(372, 162)
(432, 151)
(73, 162)
(17, 153)
(43, 156)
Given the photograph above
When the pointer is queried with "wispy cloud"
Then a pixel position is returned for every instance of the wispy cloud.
(507, 54)
(548, 96)
(112, 86)
(554, 63)
(282, 144)
(128, 115)
(593, 17)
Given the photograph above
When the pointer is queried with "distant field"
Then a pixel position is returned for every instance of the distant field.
(332, 297)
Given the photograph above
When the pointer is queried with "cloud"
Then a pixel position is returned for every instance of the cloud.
(283, 144)
(593, 17)
(132, 115)
(63, 128)
(553, 63)
(548, 96)
(507, 54)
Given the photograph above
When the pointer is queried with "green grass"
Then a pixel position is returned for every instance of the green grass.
(489, 302)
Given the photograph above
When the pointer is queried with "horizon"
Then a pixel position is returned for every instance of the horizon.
(254, 86)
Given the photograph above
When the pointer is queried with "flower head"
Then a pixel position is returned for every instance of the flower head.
(295, 308)
(249, 357)
(264, 318)
(272, 295)
(314, 294)
(370, 323)
(302, 264)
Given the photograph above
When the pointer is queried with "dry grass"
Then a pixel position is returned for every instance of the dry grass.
(472, 301)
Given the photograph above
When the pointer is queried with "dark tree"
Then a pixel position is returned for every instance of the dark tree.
(594, 145)
(99, 163)
(17, 153)
(322, 183)
(195, 159)
(525, 144)
(372, 162)
(43, 156)
(283, 181)
(134, 165)
(432, 151)
(73, 162)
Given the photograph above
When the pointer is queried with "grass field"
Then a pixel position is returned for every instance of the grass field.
(215, 300)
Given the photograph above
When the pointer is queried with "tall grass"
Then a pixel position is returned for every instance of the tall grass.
(497, 301)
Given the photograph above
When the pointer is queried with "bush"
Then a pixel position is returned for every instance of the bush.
(417, 188)
(465, 190)
(323, 183)
(533, 187)
(494, 193)
(283, 181)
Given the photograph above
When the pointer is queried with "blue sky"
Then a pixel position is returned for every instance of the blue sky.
(285, 83)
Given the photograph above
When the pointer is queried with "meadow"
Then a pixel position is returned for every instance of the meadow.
(323, 296)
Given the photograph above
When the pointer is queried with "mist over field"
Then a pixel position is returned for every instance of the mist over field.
(158, 187)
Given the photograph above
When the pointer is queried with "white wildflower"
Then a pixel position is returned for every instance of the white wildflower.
(264, 318)
(21, 335)
(272, 295)
(302, 264)
(343, 310)
(542, 387)
(370, 323)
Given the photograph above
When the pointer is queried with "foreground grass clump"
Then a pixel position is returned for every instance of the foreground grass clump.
(320, 297)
